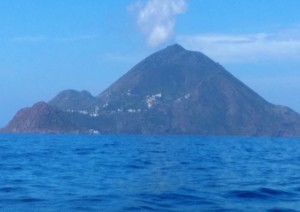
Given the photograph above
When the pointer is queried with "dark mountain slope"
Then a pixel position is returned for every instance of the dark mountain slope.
(180, 91)
(41, 118)
(172, 72)
(174, 91)
(73, 100)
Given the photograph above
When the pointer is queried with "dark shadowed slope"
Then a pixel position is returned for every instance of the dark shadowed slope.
(73, 100)
(174, 91)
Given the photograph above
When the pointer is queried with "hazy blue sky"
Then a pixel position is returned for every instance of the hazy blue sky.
(47, 46)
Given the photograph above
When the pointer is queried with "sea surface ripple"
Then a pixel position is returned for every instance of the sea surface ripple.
(148, 173)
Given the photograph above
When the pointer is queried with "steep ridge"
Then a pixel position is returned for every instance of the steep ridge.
(173, 91)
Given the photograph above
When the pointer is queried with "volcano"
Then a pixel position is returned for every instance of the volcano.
(173, 91)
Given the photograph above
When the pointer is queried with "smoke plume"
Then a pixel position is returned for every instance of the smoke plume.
(157, 19)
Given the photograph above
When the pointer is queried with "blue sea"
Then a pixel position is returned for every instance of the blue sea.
(148, 173)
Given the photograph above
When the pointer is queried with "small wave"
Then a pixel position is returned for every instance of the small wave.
(10, 189)
(90, 199)
(274, 192)
(82, 208)
(140, 208)
(83, 151)
(174, 199)
(158, 151)
(134, 167)
(281, 210)
(21, 200)
(248, 195)
(110, 145)
(30, 199)
(261, 193)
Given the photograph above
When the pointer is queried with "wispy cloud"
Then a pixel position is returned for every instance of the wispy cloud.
(234, 48)
(44, 38)
(76, 38)
(157, 18)
(31, 38)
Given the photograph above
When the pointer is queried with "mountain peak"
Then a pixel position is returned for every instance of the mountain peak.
(173, 49)
(73, 100)
(176, 47)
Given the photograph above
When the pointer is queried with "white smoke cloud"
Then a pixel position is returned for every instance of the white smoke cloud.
(157, 19)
